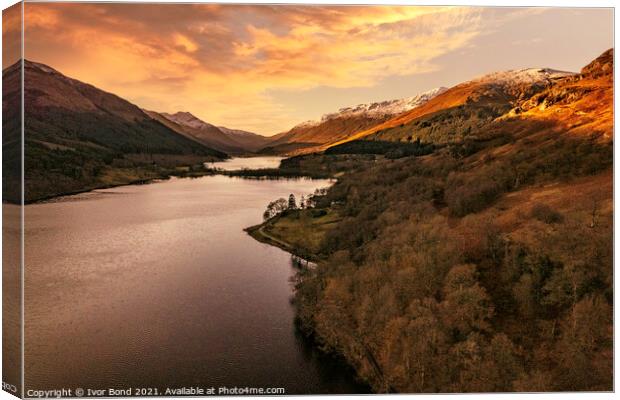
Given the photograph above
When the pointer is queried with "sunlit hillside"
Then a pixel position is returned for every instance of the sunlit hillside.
(485, 265)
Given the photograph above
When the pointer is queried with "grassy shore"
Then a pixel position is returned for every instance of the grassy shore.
(299, 232)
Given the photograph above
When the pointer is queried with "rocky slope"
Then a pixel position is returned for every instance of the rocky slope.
(579, 104)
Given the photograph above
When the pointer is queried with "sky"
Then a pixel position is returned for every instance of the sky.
(267, 68)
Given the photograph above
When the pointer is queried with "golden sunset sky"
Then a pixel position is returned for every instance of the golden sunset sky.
(267, 68)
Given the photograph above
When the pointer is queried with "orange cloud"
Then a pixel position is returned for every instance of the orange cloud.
(221, 61)
(186, 43)
(11, 35)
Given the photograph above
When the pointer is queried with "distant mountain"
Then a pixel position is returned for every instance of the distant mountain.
(339, 125)
(195, 129)
(247, 140)
(462, 109)
(79, 137)
(385, 108)
(220, 138)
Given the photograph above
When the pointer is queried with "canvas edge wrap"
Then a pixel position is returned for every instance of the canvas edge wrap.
(12, 201)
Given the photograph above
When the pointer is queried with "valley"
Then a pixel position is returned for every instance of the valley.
(462, 236)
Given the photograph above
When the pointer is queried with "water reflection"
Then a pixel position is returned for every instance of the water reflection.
(159, 286)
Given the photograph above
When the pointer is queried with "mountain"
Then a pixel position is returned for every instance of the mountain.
(204, 132)
(578, 104)
(220, 138)
(195, 129)
(389, 107)
(79, 137)
(339, 125)
(247, 140)
(484, 265)
(464, 108)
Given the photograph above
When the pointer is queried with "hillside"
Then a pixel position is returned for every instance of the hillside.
(462, 109)
(289, 148)
(485, 266)
(78, 137)
(339, 125)
(11, 135)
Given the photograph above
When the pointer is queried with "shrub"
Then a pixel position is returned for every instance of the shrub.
(546, 214)
(466, 198)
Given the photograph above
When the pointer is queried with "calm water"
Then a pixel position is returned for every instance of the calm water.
(247, 163)
(158, 286)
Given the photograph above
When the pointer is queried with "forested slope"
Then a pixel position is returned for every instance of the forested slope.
(485, 266)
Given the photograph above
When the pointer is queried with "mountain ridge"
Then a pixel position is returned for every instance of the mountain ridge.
(488, 96)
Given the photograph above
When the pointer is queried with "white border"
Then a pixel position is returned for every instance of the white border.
(504, 3)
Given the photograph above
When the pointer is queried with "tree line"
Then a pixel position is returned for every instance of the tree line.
(282, 205)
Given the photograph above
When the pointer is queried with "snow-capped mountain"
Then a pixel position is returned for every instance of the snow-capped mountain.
(525, 76)
(519, 83)
(388, 107)
(378, 109)
(348, 120)
(467, 107)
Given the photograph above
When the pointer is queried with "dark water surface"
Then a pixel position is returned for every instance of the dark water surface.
(159, 286)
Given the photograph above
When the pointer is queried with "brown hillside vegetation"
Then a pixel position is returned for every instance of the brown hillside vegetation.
(485, 266)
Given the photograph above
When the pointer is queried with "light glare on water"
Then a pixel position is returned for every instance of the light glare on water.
(246, 163)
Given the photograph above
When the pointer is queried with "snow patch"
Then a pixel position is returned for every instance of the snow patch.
(307, 124)
(525, 76)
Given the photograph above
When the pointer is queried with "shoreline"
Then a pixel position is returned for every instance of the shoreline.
(257, 232)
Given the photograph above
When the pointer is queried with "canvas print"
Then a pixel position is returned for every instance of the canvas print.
(229, 199)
